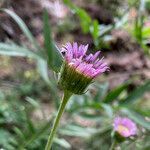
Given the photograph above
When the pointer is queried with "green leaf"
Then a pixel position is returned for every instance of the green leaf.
(137, 93)
(40, 132)
(101, 91)
(112, 95)
(16, 50)
(62, 142)
(23, 27)
(142, 111)
(43, 70)
(53, 54)
(108, 109)
(137, 118)
(95, 29)
(146, 32)
(19, 133)
(74, 130)
(85, 19)
(5, 137)
(30, 125)
(33, 102)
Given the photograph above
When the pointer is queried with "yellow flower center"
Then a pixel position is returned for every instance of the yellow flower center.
(122, 128)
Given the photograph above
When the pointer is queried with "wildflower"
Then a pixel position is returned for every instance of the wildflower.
(125, 127)
(79, 69)
(77, 72)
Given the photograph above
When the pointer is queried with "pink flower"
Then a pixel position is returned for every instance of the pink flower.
(125, 127)
(79, 68)
(88, 65)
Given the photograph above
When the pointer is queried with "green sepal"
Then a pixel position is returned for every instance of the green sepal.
(72, 80)
(119, 138)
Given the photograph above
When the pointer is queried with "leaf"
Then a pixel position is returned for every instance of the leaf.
(108, 109)
(16, 50)
(105, 30)
(122, 21)
(112, 95)
(19, 133)
(53, 54)
(30, 124)
(101, 91)
(40, 132)
(81, 12)
(62, 142)
(5, 137)
(23, 27)
(43, 70)
(142, 111)
(137, 118)
(137, 93)
(33, 102)
(146, 32)
(85, 19)
(74, 130)
(95, 29)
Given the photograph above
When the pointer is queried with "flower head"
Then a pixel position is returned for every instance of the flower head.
(125, 127)
(80, 68)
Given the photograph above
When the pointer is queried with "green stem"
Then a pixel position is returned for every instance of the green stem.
(61, 109)
(113, 145)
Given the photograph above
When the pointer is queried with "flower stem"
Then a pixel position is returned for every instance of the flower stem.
(113, 145)
(61, 109)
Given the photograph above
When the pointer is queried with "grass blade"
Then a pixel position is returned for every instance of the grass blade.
(23, 27)
(16, 50)
(137, 93)
(53, 55)
(112, 95)
(137, 118)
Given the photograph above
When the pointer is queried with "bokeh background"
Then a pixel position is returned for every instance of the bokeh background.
(29, 95)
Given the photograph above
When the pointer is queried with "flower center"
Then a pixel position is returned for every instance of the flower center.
(122, 128)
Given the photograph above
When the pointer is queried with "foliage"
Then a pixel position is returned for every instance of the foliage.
(19, 128)
(140, 31)
(100, 33)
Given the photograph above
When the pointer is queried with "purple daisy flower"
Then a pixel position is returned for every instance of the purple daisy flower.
(88, 65)
(125, 127)
(80, 68)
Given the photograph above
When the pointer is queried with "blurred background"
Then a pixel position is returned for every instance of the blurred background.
(29, 95)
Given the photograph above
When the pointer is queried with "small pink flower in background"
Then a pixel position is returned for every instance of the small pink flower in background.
(147, 24)
(88, 65)
(125, 126)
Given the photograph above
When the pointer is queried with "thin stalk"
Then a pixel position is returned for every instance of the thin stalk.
(61, 109)
(113, 145)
